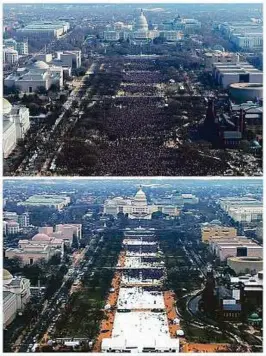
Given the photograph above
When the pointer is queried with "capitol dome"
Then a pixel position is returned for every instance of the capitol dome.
(7, 107)
(7, 277)
(40, 65)
(41, 237)
(254, 316)
(140, 197)
(141, 22)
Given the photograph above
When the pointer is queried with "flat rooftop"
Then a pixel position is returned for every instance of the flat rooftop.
(44, 25)
(237, 199)
(237, 246)
(247, 209)
(45, 199)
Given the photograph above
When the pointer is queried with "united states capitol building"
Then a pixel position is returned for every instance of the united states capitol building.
(137, 32)
(137, 207)
(140, 31)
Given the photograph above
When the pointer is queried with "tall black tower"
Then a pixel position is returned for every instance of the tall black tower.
(208, 295)
(210, 128)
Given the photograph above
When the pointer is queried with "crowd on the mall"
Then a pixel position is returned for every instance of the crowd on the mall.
(135, 130)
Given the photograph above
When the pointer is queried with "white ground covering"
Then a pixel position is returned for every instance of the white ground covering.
(134, 262)
(137, 330)
(135, 325)
(131, 280)
(137, 298)
(135, 254)
(138, 242)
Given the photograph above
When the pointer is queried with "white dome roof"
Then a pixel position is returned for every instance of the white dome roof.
(7, 276)
(141, 22)
(40, 65)
(7, 107)
(41, 237)
(140, 194)
(140, 197)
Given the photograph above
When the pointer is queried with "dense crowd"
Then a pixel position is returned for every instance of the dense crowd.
(134, 129)
(136, 90)
(146, 274)
(142, 77)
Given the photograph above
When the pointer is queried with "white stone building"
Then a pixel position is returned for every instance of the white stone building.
(248, 41)
(4, 228)
(37, 75)
(10, 215)
(52, 200)
(21, 47)
(246, 214)
(137, 207)
(12, 227)
(22, 120)
(16, 294)
(189, 198)
(242, 209)
(15, 126)
(242, 264)
(171, 36)
(41, 246)
(10, 56)
(187, 26)
(44, 30)
(24, 220)
(242, 72)
(10, 43)
(63, 231)
(70, 59)
(218, 56)
(231, 250)
(111, 36)
(137, 33)
(246, 35)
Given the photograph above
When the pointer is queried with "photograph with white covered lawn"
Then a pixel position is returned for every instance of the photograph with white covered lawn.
(133, 265)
